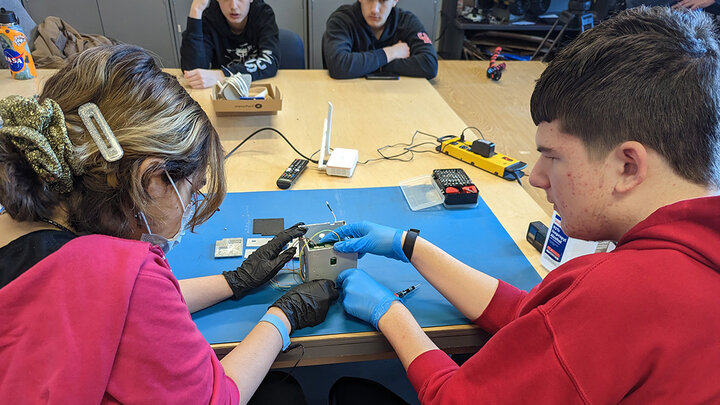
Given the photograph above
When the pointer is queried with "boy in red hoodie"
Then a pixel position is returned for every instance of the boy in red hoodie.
(628, 130)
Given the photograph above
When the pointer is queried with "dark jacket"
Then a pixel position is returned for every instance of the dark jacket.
(714, 8)
(350, 48)
(209, 43)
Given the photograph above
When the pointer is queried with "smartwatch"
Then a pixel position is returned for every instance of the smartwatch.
(409, 243)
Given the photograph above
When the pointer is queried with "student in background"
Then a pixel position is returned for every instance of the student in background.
(711, 6)
(224, 37)
(375, 35)
(628, 120)
(91, 312)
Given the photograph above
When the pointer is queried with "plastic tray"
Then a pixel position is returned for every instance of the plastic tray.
(420, 192)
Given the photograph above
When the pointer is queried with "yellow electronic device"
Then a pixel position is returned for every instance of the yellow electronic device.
(481, 153)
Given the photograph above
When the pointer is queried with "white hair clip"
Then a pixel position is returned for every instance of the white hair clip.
(106, 142)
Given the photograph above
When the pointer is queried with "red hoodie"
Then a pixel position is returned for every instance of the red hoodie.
(639, 325)
(102, 320)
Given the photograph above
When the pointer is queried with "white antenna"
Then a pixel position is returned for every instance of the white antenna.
(341, 162)
(331, 211)
(325, 141)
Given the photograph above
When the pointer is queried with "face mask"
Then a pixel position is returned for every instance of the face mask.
(164, 243)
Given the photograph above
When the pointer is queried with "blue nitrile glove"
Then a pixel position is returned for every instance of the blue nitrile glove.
(368, 237)
(363, 297)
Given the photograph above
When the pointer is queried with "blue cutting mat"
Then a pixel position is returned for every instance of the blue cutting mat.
(473, 235)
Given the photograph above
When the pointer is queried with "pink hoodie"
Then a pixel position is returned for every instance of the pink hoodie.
(102, 320)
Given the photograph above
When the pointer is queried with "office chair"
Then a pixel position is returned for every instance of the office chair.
(292, 51)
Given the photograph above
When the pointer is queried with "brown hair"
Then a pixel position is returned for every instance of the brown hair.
(151, 115)
(650, 75)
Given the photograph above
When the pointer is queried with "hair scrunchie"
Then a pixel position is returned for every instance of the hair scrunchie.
(38, 130)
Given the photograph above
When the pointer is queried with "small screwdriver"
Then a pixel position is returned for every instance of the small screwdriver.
(406, 291)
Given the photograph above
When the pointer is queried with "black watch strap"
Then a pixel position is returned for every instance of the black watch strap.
(409, 243)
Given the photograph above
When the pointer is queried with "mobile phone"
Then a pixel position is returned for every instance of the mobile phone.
(382, 76)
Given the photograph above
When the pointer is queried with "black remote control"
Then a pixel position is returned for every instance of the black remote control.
(291, 173)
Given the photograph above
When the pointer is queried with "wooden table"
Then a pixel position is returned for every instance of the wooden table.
(367, 115)
(500, 109)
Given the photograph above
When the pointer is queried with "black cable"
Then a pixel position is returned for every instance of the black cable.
(443, 139)
(318, 151)
(314, 153)
(408, 148)
(450, 19)
(442, 32)
(268, 129)
(291, 347)
(517, 177)
(462, 134)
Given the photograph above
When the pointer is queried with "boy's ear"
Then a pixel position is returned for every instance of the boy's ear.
(632, 162)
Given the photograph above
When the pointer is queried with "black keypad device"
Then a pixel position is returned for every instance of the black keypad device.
(456, 186)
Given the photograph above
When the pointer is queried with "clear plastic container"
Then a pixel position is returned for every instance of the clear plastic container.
(420, 192)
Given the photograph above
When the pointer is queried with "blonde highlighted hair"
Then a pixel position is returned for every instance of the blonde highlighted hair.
(153, 117)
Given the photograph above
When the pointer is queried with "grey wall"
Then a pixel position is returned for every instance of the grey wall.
(83, 15)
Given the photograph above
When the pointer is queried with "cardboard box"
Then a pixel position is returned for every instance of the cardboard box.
(269, 106)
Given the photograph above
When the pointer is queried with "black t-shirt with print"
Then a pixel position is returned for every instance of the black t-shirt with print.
(210, 44)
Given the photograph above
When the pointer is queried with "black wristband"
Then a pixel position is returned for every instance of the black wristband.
(409, 243)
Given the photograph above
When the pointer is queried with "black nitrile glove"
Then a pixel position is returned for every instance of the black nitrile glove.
(264, 263)
(307, 304)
